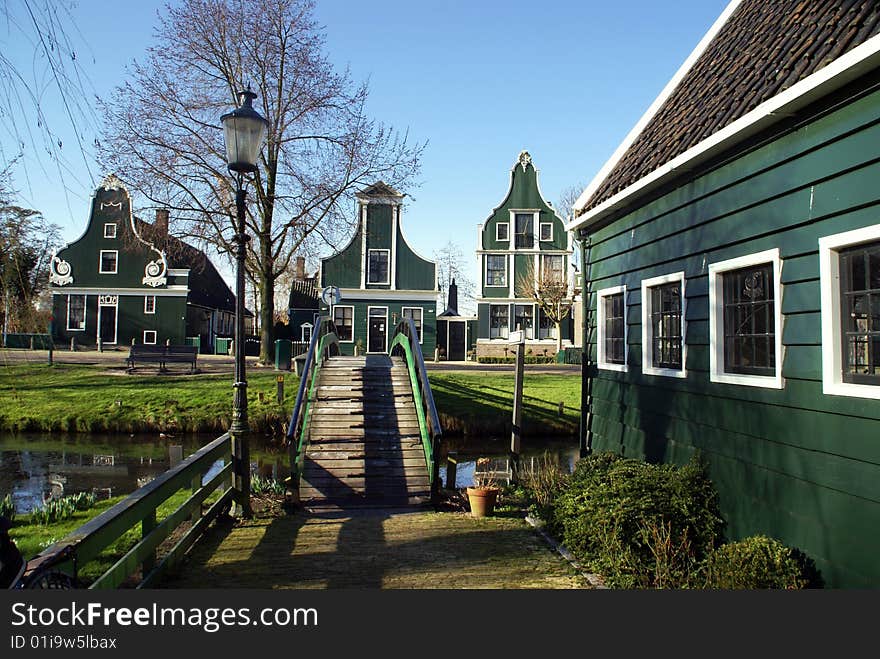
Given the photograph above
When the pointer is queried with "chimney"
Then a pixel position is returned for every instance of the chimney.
(161, 223)
(300, 268)
(452, 298)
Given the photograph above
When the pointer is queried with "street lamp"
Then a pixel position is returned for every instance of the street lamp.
(243, 131)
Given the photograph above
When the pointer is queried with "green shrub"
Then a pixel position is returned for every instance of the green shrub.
(7, 508)
(528, 359)
(638, 524)
(758, 562)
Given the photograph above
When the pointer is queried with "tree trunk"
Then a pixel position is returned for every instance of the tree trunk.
(558, 336)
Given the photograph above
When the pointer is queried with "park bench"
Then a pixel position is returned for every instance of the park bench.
(162, 355)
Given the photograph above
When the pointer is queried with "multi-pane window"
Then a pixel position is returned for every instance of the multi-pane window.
(149, 304)
(496, 270)
(377, 270)
(749, 320)
(76, 312)
(498, 325)
(553, 268)
(502, 232)
(614, 336)
(110, 230)
(343, 318)
(860, 313)
(546, 327)
(546, 231)
(666, 338)
(416, 314)
(523, 319)
(524, 230)
(108, 262)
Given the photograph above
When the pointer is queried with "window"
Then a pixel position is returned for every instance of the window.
(611, 328)
(745, 321)
(149, 337)
(496, 270)
(343, 317)
(663, 331)
(149, 304)
(553, 268)
(108, 262)
(416, 314)
(377, 271)
(76, 312)
(305, 332)
(849, 278)
(546, 230)
(546, 327)
(498, 327)
(523, 317)
(502, 232)
(110, 230)
(524, 230)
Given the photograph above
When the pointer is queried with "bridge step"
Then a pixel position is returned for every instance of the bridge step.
(365, 449)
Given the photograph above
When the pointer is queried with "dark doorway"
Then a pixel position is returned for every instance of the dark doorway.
(107, 327)
(376, 330)
(456, 345)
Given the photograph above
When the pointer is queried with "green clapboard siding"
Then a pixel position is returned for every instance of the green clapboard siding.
(795, 463)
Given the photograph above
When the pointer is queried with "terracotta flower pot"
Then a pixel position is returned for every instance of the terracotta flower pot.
(482, 500)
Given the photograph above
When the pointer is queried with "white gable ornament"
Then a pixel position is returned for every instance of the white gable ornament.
(525, 159)
(112, 182)
(59, 272)
(155, 271)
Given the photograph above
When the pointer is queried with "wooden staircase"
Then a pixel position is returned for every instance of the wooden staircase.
(364, 447)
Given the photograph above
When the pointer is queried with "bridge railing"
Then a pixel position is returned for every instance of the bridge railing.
(86, 543)
(406, 342)
(324, 344)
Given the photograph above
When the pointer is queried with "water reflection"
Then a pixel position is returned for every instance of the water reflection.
(35, 468)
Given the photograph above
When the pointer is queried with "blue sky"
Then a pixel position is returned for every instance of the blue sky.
(479, 80)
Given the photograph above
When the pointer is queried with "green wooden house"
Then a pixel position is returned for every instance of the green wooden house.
(381, 279)
(126, 281)
(732, 305)
(522, 237)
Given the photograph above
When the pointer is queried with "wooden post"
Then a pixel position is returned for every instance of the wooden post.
(147, 525)
(280, 380)
(72, 344)
(451, 469)
(516, 430)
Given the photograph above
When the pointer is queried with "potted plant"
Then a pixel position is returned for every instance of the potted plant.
(483, 494)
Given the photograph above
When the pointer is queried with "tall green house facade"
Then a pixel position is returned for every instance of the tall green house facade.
(381, 279)
(732, 298)
(522, 237)
(126, 281)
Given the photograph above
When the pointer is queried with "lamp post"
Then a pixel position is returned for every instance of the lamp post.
(243, 131)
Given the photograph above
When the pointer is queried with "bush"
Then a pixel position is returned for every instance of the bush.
(542, 482)
(7, 508)
(528, 359)
(638, 524)
(759, 562)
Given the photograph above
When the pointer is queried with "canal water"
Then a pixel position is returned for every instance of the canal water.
(34, 467)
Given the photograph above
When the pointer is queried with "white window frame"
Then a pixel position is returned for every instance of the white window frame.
(85, 312)
(648, 367)
(421, 318)
(115, 270)
(506, 329)
(716, 320)
(333, 318)
(486, 271)
(310, 327)
(147, 298)
(506, 226)
(535, 229)
(388, 269)
(111, 233)
(601, 361)
(155, 337)
(829, 288)
(543, 264)
(541, 226)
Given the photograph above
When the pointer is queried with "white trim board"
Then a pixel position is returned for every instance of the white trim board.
(171, 291)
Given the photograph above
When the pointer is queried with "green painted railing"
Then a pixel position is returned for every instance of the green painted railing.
(139, 508)
(324, 344)
(406, 341)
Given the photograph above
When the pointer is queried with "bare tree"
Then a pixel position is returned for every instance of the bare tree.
(163, 137)
(450, 266)
(550, 289)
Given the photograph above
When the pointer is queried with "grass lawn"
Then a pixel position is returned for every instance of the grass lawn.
(87, 398)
